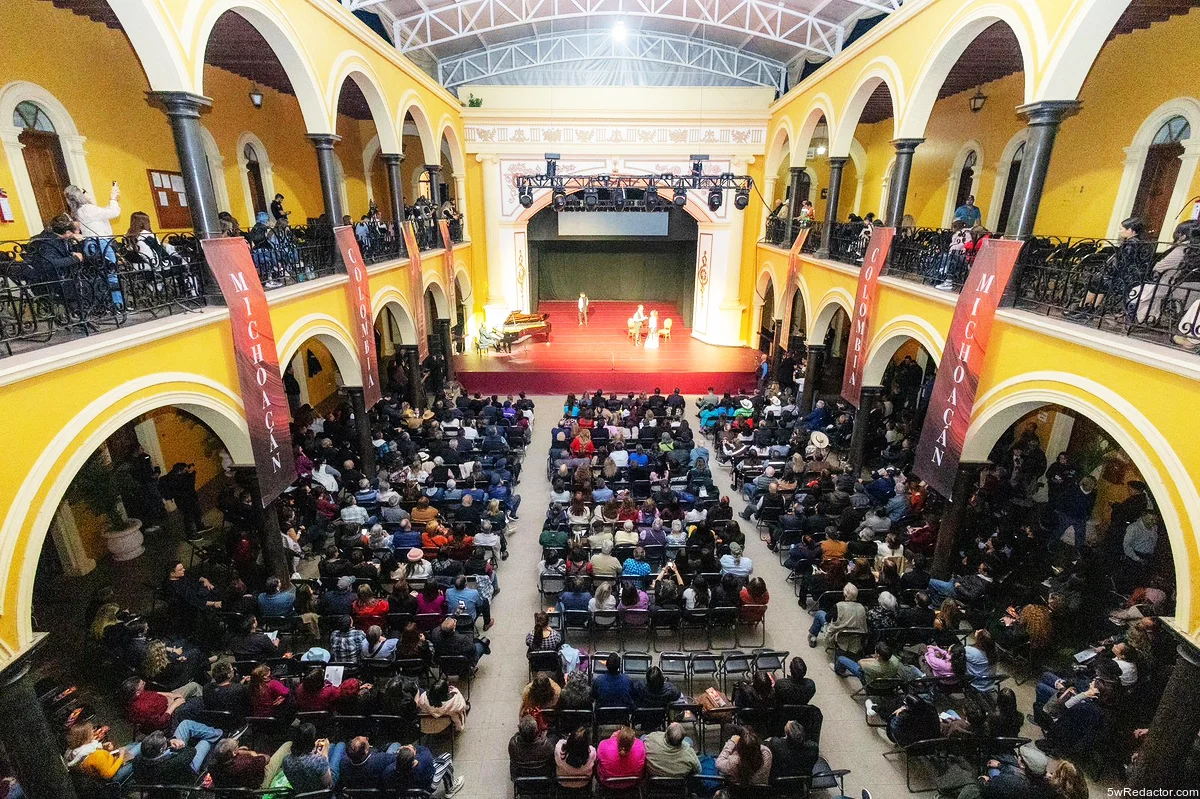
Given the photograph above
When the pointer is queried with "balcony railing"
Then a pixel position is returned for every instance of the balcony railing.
(1145, 289)
(52, 291)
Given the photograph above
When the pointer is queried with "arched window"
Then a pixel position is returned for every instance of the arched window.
(1160, 173)
(44, 159)
(423, 185)
(1010, 188)
(966, 179)
(258, 195)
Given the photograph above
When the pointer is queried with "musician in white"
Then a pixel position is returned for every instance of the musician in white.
(652, 331)
(583, 309)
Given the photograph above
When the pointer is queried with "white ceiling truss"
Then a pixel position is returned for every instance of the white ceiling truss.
(663, 48)
(762, 19)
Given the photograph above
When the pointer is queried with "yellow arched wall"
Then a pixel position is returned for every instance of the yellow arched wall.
(1086, 168)
(72, 413)
(1150, 415)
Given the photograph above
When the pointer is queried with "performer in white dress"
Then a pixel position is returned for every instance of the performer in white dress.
(652, 332)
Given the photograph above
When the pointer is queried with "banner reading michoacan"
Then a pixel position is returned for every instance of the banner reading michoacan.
(866, 297)
(358, 292)
(417, 290)
(259, 376)
(448, 261)
(953, 399)
(789, 289)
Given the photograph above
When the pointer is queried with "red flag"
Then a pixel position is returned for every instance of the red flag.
(358, 292)
(448, 260)
(866, 297)
(415, 288)
(259, 377)
(793, 279)
(953, 399)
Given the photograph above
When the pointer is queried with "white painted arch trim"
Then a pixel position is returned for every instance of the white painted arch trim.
(265, 170)
(370, 150)
(955, 178)
(224, 418)
(349, 65)
(1135, 163)
(432, 284)
(780, 145)
(992, 219)
(286, 44)
(330, 332)
(448, 134)
(819, 109)
(766, 280)
(410, 104)
(390, 298)
(833, 300)
(879, 70)
(997, 409)
(956, 37)
(1078, 43)
(216, 169)
(891, 336)
(19, 91)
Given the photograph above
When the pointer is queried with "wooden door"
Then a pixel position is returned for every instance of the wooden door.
(1157, 184)
(47, 171)
(257, 195)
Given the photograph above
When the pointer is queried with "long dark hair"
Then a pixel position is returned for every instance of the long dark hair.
(749, 752)
(577, 748)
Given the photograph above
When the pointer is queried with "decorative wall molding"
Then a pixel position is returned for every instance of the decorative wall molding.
(480, 136)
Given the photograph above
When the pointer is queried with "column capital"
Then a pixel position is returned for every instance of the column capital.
(906, 145)
(185, 104)
(324, 141)
(874, 392)
(433, 167)
(796, 171)
(392, 158)
(487, 158)
(1048, 112)
(838, 161)
(815, 347)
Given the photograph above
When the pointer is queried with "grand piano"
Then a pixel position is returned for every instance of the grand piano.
(520, 326)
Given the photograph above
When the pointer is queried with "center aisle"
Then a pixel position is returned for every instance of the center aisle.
(482, 748)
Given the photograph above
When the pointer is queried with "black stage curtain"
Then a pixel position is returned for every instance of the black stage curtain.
(629, 271)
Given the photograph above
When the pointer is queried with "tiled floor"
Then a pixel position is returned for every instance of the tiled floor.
(482, 758)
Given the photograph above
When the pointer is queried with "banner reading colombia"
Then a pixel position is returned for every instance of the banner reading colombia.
(358, 292)
(866, 297)
(417, 290)
(789, 289)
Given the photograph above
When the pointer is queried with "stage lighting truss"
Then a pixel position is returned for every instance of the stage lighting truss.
(633, 192)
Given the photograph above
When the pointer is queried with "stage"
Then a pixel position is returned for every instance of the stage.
(602, 356)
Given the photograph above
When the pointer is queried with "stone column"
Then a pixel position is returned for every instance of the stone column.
(858, 438)
(324, 142)
(1044, 120)
(460, 200)
(362, 429)
(392, 163)
(1173, 730)
(793, 203)
(898, 189)
(952, 519)
(29, 741)
(776, 349)
(183, 110)
(411, 356)
(831, 203)
(275, 561)
(769, 195)
(435, 184)
(443, 330)
(812, 375)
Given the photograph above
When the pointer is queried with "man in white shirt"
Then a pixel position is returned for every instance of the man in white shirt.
(353, 514)
(583, 309)
(619, 456)
(327, 476)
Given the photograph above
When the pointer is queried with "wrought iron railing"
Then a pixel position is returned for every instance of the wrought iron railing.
(847, 240)
(51, 290)
(285, 256)
(778, 234)
(930, 256)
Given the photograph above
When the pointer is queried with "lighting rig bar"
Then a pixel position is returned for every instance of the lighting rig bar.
(621, 193)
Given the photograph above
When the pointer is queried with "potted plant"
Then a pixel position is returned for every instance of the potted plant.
(96, 487)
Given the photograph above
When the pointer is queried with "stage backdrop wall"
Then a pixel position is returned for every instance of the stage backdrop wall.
(631, 271)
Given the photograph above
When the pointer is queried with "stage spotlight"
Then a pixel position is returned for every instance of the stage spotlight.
(560, 199)
(651, 197)
(591, 198)
(741, 199)
(680, 197)
(618, 198)
(715, 196)
(525, 198)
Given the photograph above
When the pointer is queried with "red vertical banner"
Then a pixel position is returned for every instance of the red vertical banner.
(362, 320)
(416, 288)
(789, 288)
(866, 297)
(259, 375)
(448, 262)
(953, 399)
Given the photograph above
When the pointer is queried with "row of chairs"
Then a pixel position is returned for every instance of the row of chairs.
(686, 669)
(798, 787)
(689, 630)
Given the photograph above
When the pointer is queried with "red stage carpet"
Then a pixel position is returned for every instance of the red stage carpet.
(602, 356)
